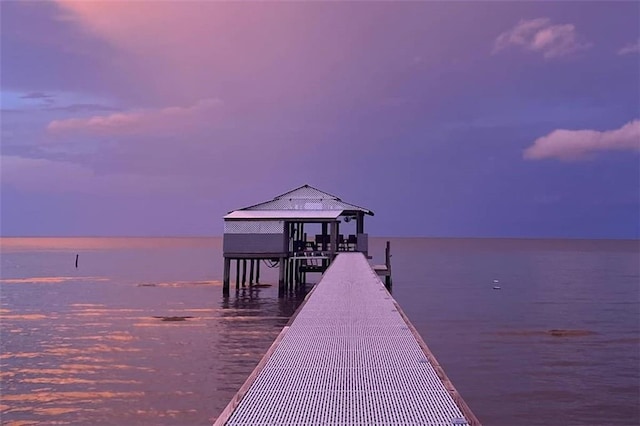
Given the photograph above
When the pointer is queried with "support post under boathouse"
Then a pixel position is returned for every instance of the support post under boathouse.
(300, 232)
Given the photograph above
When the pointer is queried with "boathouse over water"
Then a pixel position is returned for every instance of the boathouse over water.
(349, 355)
(301, 231)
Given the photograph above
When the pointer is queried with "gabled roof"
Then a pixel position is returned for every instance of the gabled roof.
(306, 198)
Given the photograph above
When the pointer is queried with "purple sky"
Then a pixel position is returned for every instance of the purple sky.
(459, 119)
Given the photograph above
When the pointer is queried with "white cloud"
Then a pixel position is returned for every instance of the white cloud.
(136, 121)
(540, 35)
(571, 145)
(630, 48)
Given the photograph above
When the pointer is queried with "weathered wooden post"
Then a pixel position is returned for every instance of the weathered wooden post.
(387, 255)
(225, 278)
(325, 232)
(290, 271)
(281, 275)
(244, 272)
(334, 239)
(237, 274)
(323, 246)
(360, 223)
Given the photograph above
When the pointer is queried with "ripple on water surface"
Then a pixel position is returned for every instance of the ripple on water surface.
(77, 362)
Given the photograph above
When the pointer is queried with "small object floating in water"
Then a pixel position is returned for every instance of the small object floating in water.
(568, 333)
(496, 281)
(497, 287)
(173, 318)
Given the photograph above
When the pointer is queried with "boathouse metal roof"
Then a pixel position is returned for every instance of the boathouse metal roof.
(305, 202)
(284, 214)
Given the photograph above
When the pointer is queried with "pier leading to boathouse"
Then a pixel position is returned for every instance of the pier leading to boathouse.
(348, 356)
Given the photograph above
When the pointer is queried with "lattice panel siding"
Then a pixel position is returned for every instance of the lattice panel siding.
(348, 358)
(254, 227)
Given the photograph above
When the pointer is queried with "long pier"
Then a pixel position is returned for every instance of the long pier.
(349, 356)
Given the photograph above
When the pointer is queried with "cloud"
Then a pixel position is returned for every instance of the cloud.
(137, 121)
(630, 48)
(36, 95)
(39, 96)
(541, 36)
(52, 176)
(82, 107)
(166, 52)
(571, 145)
(169, 50)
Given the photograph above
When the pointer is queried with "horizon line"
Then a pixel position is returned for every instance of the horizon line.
(370, 236)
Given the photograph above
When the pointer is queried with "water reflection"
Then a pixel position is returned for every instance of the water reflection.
(249, 298)
(20, 244)
(116, 359)
(49, 280)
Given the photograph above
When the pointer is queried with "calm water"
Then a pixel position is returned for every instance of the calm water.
(85, 346)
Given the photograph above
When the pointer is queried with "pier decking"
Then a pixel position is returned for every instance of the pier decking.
(349, 356)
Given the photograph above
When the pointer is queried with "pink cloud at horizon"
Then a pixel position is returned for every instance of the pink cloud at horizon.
(571, 145)
(139, 121)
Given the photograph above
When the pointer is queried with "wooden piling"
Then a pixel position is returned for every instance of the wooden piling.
(324, 236)
(251, 266)
(225, 278)
(296, 267)
(292, 276)
(387, 256)
(281, 275)
(237, 274)
(244, 272)
(334, 239)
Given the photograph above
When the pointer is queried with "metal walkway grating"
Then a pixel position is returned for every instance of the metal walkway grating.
(348, 358)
